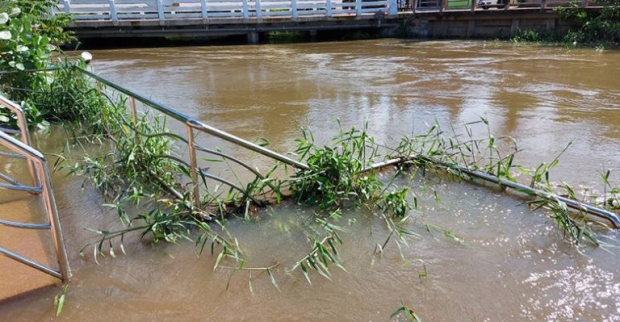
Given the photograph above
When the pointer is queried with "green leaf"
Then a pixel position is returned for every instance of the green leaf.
(273, 280)
(211, 160)
(230, 278)
(61, 302)
(305, 271)
(217, 261)
(397, 312)
(250, 283)
(43, 125)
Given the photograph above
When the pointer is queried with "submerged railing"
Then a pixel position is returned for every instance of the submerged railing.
(193, 126)
(41, 184)
(197, 173)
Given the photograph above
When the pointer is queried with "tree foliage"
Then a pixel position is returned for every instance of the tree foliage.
(29, 38)
(590, 26)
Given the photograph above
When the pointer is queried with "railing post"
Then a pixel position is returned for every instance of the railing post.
(294, 8)
(52, 10)
(473, 5)
(132, 107)
(259, 10)
(392, 8)
(246, 10)
(543, 5)
(67, 5)
(56, 229)
(25, 137)
(203, 7)
(444, 5)
(134, 118)
(192, 164)
(358, 8)
(328, 3)
(113, 14)
(160, 12)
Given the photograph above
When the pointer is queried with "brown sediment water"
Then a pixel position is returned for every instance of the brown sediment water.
(508, 264)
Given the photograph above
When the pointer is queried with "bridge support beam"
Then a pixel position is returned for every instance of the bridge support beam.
(471, 28)
(514, 27)
(312, 34)
(478, 26)
(253, 38)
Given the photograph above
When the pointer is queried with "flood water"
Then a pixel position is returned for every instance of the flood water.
(508, 264)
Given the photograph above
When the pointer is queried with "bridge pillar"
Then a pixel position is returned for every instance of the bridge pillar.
(514, 27)
(471, 28)
(253, 38)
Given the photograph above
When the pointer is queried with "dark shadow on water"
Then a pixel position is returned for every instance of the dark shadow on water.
(158, 42)
(274, 37)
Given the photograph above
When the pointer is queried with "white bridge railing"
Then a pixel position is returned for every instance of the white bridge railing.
(162, 10)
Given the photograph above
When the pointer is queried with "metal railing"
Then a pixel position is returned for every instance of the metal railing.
(41, 184)
(191, 128)
(162, 10)
(116, 11)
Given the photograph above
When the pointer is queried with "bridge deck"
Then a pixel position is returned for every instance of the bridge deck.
(180, 18)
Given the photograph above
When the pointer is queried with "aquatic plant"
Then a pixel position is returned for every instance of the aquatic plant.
(139, 178)
(535, 36)
(324, 252)
(59, 300)
(611, 194)
(469, 158)
(336, 173)
(404, 313)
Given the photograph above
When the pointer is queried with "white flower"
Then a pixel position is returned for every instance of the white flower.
(86, 56)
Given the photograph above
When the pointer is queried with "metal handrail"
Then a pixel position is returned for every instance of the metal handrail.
(196, 124)
(41, 172)
(192, 125)
(24, 135)
(201, 9)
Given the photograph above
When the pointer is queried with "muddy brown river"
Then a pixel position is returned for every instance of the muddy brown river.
(506, 264)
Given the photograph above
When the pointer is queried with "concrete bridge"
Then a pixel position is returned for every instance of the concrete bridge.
(204, 18)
